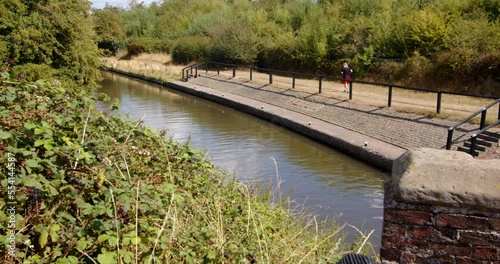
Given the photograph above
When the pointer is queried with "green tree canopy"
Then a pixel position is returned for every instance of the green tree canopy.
(50, 33)
(108, 27)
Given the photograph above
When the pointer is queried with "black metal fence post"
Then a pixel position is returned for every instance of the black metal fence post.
(218, 69)
(483, 118)
(449, 139)
(389, 100)
(191, 72)
(270, 77)
(438, 110)
(251, 70)
(206, 67)
(320, 82)
(234, 71)
(196, 72)
(473, 144)
(293, 87)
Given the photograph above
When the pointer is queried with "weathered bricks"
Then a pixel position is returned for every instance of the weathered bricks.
(487, 253)
(462, 221)
(407, 217)
(445, 228)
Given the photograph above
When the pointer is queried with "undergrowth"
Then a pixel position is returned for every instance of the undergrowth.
(95, 188)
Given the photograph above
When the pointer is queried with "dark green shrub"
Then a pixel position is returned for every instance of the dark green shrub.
(190, 49)
(490, 7)
(234, 42)
(148, 44)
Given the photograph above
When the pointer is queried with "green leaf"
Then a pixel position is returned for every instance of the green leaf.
(102, 238)
(54, 236)
(112, 241)
(48, 146)
(39, 131)
(5, 134)
(44, 238)
(68, 260)
(115, 105)
(211, 255)
(46, 143)
(5, 75)
(31, 163)
(29, 181)
(107, 258)
(39, 142)
(68, 217)
(135, 240)
(30, 126)
(52, 191)
(55, 228)
(82, 244)
(72, 260)
(103, 97)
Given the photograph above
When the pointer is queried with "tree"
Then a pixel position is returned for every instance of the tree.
(55, 33)
(108, 27)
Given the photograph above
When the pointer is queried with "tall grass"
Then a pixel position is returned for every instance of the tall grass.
(158, 66)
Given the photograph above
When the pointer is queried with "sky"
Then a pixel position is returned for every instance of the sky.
(118, 3)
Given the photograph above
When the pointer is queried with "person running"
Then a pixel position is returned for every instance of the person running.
(346, 73)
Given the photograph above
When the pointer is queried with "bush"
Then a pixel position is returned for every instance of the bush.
(148, 44)
(190, 49)
(386, 71)
(32, 72)
(234, 41)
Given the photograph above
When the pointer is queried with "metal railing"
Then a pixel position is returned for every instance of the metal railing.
(482, 124)
(321, 78)
(473, 138)
(188, 71)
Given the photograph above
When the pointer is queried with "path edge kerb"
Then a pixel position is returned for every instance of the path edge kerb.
(375, 152)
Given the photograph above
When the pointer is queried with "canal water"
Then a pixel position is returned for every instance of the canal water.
(325, 182)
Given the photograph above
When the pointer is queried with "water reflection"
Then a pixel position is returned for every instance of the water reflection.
(325, 180)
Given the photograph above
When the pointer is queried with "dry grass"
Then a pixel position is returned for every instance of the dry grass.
(157, 66)
(453, 107)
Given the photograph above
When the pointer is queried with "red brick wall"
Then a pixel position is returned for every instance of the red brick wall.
(414, 233)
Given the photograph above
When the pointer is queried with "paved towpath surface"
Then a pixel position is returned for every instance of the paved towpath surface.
(404, 130)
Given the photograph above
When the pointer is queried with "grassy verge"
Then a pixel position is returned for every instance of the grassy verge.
(94, 188)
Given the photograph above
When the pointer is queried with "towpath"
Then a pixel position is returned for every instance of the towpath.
(405, 130)
(344, 124)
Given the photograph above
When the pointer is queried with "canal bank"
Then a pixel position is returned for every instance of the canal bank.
(374, 135)
(363, 147)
